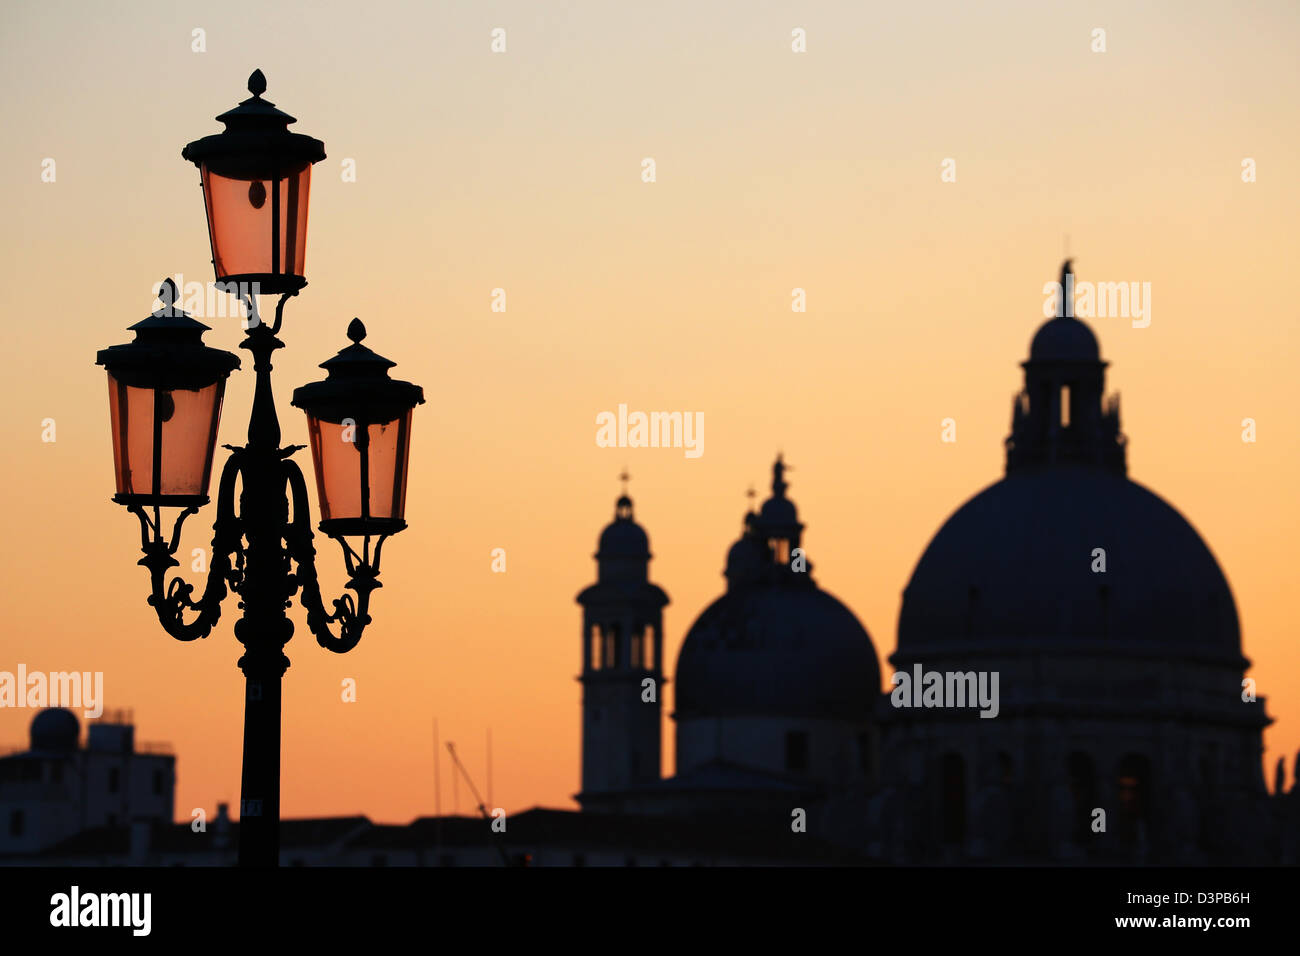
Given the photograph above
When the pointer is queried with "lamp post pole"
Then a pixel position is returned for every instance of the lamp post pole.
(265, 628)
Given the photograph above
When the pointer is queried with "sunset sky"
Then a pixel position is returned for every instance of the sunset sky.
(522, 171)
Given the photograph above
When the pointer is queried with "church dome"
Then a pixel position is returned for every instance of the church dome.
(1064, 339)
(55, 729)
(775, 644)
(1015, 564)
(777, 651)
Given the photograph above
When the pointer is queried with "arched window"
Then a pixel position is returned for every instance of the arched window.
(952, 794)
(610, 656)
(1082, 774)
(638, 653)
(643, 648)
(596, 640)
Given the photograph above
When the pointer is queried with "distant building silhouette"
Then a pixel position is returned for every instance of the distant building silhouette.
(56, 787)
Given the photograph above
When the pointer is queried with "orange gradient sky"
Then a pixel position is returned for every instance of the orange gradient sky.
(521, 171)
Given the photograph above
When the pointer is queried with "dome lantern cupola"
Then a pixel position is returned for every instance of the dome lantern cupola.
(1061, 416)
(777, 525)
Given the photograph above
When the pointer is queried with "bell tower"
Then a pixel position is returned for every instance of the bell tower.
(622, 665)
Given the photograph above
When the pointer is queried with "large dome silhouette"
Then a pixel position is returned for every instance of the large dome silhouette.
(1015, 564)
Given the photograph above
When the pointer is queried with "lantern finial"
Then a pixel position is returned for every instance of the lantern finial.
(168, 294)
(257, 83)
(356, 331)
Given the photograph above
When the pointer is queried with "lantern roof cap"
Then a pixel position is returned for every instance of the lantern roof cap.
(255, 110)
(168, 350)
(169, 319)
(356, 360)
(358, 385)
(256, 143)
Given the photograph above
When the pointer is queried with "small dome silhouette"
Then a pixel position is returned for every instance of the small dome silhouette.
(778, 512)
(55, 729)
(777, 651)
(744, 560)
(1064, 339)
(775, 644)
(623, 537)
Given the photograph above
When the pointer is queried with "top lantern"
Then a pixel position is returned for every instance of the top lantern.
(256, 176)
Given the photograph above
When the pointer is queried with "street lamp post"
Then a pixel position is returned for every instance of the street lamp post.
(165, 392)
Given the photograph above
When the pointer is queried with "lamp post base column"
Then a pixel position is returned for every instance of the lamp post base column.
(259, 806)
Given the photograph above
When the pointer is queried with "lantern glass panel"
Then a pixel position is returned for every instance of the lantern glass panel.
(258, 226)
(337, 451)
(167, 433)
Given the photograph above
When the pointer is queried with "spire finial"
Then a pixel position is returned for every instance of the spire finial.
(1067, 289)
(356, 331)
(257, 83)
(779, 468)
(623, 507)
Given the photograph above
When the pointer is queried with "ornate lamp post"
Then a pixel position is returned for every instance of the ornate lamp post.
(165, 391)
